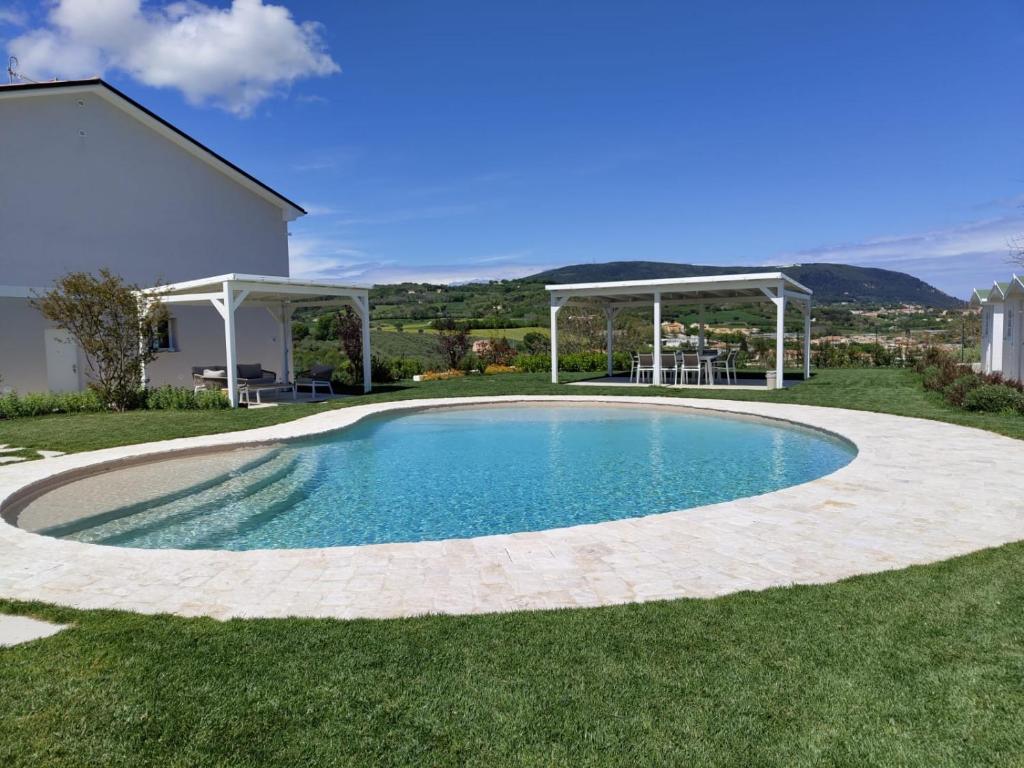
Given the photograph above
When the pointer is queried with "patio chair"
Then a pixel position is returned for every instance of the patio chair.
(316, 376)
(691, 363)
(726, 365)
(644, 364)
(633, 362)
(669, 364)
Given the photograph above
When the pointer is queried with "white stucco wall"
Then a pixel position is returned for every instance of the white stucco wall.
(120, 196)
(85, 186)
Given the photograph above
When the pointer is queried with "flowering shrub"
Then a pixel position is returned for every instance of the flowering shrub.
(451, 373)
(490, 370)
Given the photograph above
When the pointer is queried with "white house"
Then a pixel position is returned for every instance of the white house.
(1002, 337)
(89, 178)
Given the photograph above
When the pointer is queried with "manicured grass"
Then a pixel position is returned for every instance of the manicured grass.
(919, 667)
(883, 390)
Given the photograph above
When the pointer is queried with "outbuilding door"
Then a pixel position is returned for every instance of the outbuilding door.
(61, 361)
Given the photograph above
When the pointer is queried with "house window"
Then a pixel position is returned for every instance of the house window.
(166, 339)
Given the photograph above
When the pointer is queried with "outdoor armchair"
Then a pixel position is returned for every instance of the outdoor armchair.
(316, 376)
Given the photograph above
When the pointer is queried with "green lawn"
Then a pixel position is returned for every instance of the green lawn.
(919, 667)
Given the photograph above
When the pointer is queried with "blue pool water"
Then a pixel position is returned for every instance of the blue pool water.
(460, 472)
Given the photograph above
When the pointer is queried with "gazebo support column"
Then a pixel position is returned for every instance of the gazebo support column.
(780, 336)
(656, 374)
(361, 304)
(556, 305)
(231, 352)
(610, 313)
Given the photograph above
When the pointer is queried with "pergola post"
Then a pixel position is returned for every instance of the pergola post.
(556, 305)
(229, 343)
(700, 329)
(807, 340)
(780, 334)
(610, 313)
(656, 376)
(361, 303)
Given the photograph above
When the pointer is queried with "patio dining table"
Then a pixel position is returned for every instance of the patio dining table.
(708, 360)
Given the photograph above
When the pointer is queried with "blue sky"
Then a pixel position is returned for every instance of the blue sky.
(454, 141)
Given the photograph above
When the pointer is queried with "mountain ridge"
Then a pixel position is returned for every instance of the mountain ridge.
(831, 283)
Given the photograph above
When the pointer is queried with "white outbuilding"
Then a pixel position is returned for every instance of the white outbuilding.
(1002, 339)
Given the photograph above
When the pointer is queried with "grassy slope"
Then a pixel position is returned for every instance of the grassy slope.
(920, 667)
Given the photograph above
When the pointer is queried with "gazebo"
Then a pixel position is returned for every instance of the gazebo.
(280, 296)
(712, 290)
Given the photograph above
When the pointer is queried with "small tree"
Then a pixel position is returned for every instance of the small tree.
(452, 340)
(115, 328)
(348, 327)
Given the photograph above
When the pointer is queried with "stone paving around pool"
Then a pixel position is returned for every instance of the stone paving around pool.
(918, 491)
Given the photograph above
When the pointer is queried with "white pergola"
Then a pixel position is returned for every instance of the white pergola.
(280, 296)
(713, 290)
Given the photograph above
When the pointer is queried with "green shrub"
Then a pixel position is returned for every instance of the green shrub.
(956, 391)
(994, 398)
(14, 406)
(933, 378)
(537, 363)
(168, 398)
(576, 362)
(381, 370)
(404, 368)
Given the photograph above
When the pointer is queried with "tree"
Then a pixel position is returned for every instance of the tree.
(348, 329)
(452, 340)
(115, 328)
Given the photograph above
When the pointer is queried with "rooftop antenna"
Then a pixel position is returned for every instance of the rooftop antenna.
(13, 75)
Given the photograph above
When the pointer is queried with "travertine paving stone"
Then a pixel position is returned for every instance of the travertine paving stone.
(918, 491)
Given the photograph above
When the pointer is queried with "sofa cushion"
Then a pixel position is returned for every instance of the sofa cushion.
(250, 370)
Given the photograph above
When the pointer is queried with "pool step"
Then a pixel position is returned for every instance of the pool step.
(220, 530)
(123, 526)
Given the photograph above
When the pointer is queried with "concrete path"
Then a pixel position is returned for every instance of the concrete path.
(918, 491)
(15, 630)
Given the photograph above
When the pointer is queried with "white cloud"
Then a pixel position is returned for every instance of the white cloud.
(954, 259)
(232, 57)
(13, 16)
(328, 259)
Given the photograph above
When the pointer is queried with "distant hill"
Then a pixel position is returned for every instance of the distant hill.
(830, 282)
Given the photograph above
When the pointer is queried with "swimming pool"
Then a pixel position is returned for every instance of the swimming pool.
(441, 473)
